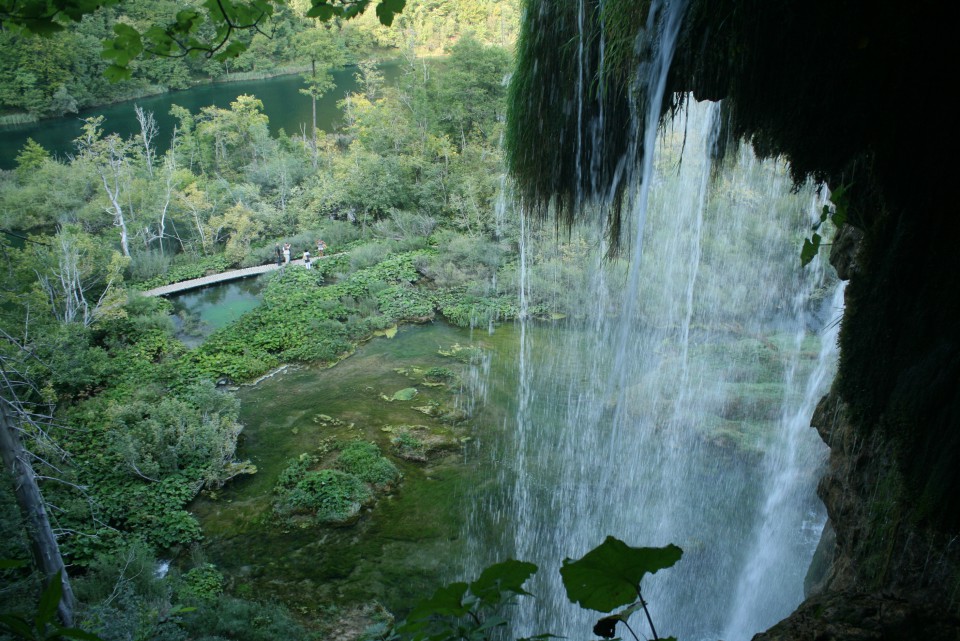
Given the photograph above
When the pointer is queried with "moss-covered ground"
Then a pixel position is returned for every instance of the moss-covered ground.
(403, 545)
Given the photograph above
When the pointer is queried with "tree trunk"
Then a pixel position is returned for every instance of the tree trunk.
(43, 543)
(313, 105)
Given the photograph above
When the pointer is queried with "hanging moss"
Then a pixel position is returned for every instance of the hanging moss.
(557, 145)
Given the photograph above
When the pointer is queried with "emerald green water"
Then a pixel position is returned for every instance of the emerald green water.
(200, 312)
(283, 103)
(410, 541)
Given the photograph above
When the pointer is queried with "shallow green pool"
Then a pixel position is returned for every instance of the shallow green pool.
(200, 312)
(411, 540)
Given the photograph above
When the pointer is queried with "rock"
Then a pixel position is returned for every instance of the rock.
(855, 616)
(843, 251)
(406, 394)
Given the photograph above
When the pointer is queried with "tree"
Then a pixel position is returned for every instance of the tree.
(109, 158)
(234, 135)
(17, 461)
(210, 30)
(370, 78)
(31, 158)
(319, 46)
(472, 89)
(81, 281)
(148, 131)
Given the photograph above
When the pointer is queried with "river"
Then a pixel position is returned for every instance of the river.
(283, 103)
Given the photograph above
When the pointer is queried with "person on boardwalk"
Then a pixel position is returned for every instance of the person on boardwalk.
(321, 246)
(279, 255)
(306, 259)
(286, 254)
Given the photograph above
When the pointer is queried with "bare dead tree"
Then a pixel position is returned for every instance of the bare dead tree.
(148, 131)
(169, 167)
(108, 155)
(69, 285)
(17, 461)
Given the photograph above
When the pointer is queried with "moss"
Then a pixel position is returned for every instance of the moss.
(556, 68)
(883, 517)
(364, 461)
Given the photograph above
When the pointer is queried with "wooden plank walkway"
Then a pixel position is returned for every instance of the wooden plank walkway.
(222, 277)
(194, 283)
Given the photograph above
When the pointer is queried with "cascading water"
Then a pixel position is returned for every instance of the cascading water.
(672, 404)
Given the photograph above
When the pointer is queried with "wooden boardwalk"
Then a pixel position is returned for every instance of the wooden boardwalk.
(194, 283)
(222, 277)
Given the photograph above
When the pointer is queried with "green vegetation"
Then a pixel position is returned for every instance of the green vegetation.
(334, 495)
(139, 428)
(605, 578)
(404, 194)
(330, 496)
(364, 461)
(102, 52)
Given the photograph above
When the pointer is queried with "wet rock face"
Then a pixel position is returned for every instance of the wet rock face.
(879, 546)
(884, 576)
(856, 616)
(843, 252)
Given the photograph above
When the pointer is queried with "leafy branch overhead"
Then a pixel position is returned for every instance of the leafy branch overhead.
(208, 29)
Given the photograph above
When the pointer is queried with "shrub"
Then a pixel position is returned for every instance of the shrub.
(295, 471)
(332, 496)
(338, 233)
(404, 302)
(203, 583)
(439, 375)
(365, 462)
(409, 447)
(148, 264)
(239, 620)
(404, 226)
(368, 255)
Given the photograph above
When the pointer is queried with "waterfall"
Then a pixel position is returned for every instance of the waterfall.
(672, 404)
(787, 476)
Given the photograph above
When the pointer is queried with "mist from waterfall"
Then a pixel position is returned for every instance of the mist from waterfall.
(672, 403)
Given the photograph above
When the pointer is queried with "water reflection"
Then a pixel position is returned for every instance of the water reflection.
(200, 312)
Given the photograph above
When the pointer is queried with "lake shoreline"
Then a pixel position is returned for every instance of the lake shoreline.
(24, 118)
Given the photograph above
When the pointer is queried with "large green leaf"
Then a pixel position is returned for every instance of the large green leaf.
(609, 575)
(17, 625)
(507, 576)
(446, 601)
(9, 564)
(77, 633)
(810, 248)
